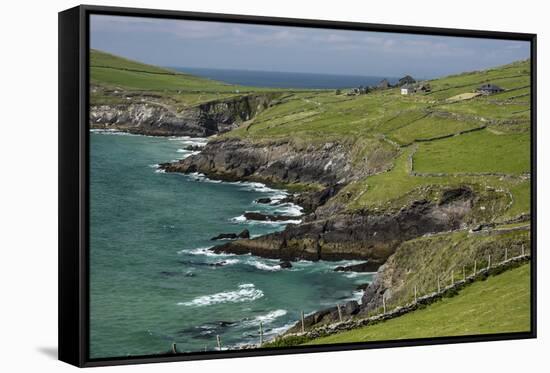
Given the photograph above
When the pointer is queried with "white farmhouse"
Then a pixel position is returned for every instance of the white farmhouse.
(407, 89)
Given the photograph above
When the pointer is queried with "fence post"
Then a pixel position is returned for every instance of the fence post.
(261, 333)
(522, 250)
(174, 349)
(464, 273)
(438, 284)
(303, 322)
(384, 302)
(414, 293)
(219, 342)
(339, 312)
(489, 263)
(453, 277)
(506, 253)
(475, 267)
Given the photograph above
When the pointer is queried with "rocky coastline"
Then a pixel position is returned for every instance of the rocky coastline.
(157, 117)
(317, 174)
(327, 232)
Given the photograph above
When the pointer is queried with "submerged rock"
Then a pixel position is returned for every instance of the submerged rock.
(193, 147)
(264, 200)
(224, 236)
(370, 266)
(285, 264)
(244, 234)
(231, 236)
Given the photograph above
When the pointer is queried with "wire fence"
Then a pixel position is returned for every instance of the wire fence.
(430, 291)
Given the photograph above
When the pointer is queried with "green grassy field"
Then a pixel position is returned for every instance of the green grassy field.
(500, 304)
(476, 152)
(117, 80)
(112, 70)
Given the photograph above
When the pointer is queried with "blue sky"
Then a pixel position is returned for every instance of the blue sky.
(181, 43)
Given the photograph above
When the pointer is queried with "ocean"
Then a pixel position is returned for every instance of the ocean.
(285, 79)
(153, 279)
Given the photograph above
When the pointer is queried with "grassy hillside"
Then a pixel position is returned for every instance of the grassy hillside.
(112, 70)
(421, 262)
(117, 80)
(429, 140)
(498, 305)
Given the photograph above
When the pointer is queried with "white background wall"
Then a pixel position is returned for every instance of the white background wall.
(28, 184)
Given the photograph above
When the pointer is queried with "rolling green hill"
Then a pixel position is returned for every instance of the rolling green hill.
(498, 305)
(424, 141)
(117, 80)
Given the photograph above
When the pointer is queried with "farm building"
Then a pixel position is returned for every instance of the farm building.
(407, 79)
(488, 89)
(407, 89)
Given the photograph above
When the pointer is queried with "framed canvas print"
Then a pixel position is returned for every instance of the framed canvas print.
(234, 186)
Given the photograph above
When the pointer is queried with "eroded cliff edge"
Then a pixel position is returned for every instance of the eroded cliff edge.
(328, 231)
(149, 114)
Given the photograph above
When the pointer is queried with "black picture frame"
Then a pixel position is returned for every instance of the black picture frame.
(74, 182)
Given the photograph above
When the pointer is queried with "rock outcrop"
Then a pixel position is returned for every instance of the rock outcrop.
(273, 162)
(160, 119)
(365, 235)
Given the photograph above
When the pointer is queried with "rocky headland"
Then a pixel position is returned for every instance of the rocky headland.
(157, 117)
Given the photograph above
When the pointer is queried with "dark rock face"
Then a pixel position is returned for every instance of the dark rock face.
(371, 236)
(369, 266)
(244, 234)
(263, 200)
(155, 118)
(266, 217)
(224, 236)
(351, 308)
(232, 236)
(275, 162)
(193, 147)
(310, 201)
(285, 264)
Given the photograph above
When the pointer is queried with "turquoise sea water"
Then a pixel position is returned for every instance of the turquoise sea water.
(153, 280)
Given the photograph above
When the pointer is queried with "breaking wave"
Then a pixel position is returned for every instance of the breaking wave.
(245, 293)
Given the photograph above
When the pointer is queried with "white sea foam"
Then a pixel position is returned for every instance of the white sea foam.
(227, 262)
(244, 293)
(242, 219)
(356, 274)
(110, 131)
(187, 140)
(266, 319)
(157, 168)
(263, 266)
(197, 176)
(289, 209)
(357, 295)
(203, 251)
(281, 329)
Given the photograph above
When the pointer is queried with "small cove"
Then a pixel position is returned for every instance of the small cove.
(153, 279)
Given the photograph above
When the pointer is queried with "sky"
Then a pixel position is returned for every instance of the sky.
(181, 43)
